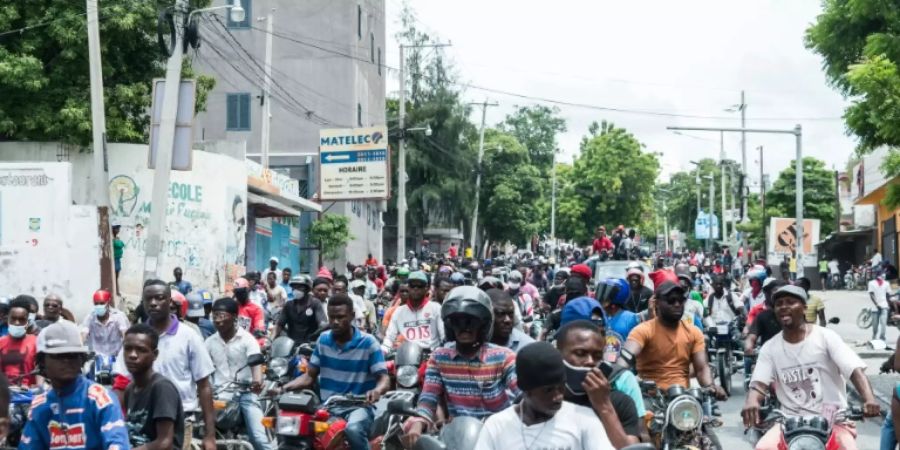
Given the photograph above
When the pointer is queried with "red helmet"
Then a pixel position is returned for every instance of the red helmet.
(102, 295)
(241, 283)
(178, 297)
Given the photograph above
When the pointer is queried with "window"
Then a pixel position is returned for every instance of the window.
(359, 21)
(372, 47)
(238, 106)
(359, 115)
(247, 15)
(379, 60)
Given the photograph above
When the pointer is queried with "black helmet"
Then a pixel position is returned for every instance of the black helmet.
(468, 300)
(467, 275)
(490, 282)
(301, 280)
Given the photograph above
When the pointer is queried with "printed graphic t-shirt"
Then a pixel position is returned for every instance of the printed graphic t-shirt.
(158, 401)
(810, 376)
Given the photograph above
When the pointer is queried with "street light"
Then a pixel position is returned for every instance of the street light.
(709, 215)
(237, 13)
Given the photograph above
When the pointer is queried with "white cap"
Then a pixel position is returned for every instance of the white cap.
(273, 259)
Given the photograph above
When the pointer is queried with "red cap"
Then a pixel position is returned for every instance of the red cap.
(582, 270)
(325, 273)
(102, 296)
(664, 281)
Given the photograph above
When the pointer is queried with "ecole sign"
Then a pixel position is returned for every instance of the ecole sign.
(354, 164)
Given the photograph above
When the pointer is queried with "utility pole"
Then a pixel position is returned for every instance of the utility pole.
(666, 224)
(552, 203)
(162, 171)
(473, 240)
(733, 207)
(744, 151)
(762, 202)
(722, 171)
(712, 195)
(98, 114)
(265, 132)
(401, 164)
(798, 201)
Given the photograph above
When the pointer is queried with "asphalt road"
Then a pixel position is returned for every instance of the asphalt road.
(845, 305)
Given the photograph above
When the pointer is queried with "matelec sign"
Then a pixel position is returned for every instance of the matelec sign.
(354, 164)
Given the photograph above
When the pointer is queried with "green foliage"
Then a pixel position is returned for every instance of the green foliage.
(331, 233)
(818, 194)
(509, 190)
(536, 127)
(44, 73)
(611, 182)
(860, 44)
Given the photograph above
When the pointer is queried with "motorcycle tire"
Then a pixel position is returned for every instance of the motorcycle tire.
(864, 319)
(712, 440)
(724, 375)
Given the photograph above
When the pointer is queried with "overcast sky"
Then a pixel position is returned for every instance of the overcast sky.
(685, 57)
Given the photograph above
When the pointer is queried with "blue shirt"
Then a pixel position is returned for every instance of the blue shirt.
(352, 368)
(84, 415)
(627, 384)
(184, 287)
(288, 289)
(517, 340)
(617, 329)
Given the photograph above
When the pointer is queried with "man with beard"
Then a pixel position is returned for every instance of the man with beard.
(664, 348)
(419, 320)
(639, 297)
(250, 315)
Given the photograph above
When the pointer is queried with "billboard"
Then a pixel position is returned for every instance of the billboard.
(354, 164)
(702, 224)
(783, 237)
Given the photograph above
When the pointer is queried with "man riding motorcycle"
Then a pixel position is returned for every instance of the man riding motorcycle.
(474, 377)
(664, 348)
(639, 296)
(808, 366)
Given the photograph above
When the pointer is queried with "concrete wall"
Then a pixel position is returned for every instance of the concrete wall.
(329, 82)
(47, 244)
(205, 229)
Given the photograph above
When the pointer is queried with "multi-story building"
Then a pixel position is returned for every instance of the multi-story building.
(327, 72)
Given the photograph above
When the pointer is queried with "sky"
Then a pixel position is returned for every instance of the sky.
(688, 57)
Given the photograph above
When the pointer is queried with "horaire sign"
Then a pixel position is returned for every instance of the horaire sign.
(354, 164)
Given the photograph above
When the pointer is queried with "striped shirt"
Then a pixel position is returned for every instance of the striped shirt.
(475, 387)
(349, 369)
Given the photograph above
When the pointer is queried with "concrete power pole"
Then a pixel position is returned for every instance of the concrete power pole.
(162, 171)
(712, 199)
(553, 203)
(401, 164)
(798, 205)
(762, 203)
(98, 114)
(744, 153)
(265, 132)
(722, 170)
(474, 233)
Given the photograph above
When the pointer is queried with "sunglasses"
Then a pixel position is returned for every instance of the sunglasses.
(417, 286)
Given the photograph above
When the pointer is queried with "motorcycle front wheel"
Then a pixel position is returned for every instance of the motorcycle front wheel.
(724, 374)
(864, 319)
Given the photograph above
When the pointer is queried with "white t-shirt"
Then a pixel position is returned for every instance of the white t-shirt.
(359, 311)
(422, 326)
(748, 296)
(719, 310)
(573, 427)
(834, 268)
(881, 292)
(876, 259)
(230, 356)
(810, 376)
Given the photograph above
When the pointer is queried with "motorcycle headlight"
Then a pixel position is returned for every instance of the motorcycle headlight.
(288, 426)
(685, 414)
(278, 366)
(407, 376)
(806, 442)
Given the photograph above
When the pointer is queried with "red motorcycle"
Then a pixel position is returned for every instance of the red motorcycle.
(302, 423)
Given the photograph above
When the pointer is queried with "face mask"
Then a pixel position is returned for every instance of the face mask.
(100, 310)
(298, 293)
(514, 285)
(241, 294)
(574, 378)
(31, 318)
(17, 331)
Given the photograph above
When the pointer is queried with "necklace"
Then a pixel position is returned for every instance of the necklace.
(540, 432)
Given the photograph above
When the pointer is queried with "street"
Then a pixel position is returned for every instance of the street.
(845, 305)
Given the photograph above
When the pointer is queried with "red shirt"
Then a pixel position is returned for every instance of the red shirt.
(602, 243)
(18, 356)
(371, 262)
(453, 251)
(250, 317)
(754, 311)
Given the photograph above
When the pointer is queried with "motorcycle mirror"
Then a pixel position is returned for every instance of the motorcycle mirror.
(834, 320)
(432, 443)
(255, 360)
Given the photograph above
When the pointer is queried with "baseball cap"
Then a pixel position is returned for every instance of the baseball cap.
(790, 290)
(60, 337)
(206, 296)
(581, 308)
(402, 272)
(665, 281)
(357, 284)
(582, 270)
(767, 282)
(417, 276)
(195, 305)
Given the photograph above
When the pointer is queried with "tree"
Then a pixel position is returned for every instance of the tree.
(611, 182)
(44, 70)
(331, 233)
(818, 194)
(536, 127)
(860, 45)
(509, 189)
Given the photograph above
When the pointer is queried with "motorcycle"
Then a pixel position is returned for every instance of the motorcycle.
(807, 433)
(866, 317)
(681, 418)
(408, 358)
(303, 423)
(103, 369)
(537, 324)
(229, 418)
(460, 434)
(724, 345)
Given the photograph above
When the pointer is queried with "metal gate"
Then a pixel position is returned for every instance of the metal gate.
(889, 240)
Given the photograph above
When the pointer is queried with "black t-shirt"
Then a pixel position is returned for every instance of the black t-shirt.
(301, 319)
(766, 326)
(639, 300)
(622, 404)
(159, 400)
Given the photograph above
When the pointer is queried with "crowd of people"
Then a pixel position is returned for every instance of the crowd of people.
(544, 352)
